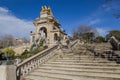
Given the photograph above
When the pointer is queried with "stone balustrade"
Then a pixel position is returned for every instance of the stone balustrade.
(73, 43)
(115, 43)
(106, 54)
(35, 61)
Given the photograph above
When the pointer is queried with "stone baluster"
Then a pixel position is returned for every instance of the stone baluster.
(29, 66)
(32, 65)
(24, 70)
(27, 71)
(35, 63)
(118, 59)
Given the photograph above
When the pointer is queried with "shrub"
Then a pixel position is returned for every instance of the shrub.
(27, 54)
(32, 47)
(9, 53)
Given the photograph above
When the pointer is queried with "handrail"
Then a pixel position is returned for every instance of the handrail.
(33, 62)
(73, 43)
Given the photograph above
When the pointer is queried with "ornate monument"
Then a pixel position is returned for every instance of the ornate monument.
(47, 29)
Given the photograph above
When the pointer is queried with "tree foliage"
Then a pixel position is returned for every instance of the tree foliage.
(100, 39)
(7, 41)
(27, 54)
(9, 52)
(115, 33)
(87, 33)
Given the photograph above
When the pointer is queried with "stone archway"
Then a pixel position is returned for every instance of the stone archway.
(43, 32)
(55, 37)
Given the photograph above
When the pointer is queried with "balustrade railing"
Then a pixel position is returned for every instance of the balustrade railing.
(73, 43)
(107, 54)
(35, 61)
(115, 43)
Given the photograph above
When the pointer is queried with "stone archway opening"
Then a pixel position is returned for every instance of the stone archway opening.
(43, 32)
(55, 37)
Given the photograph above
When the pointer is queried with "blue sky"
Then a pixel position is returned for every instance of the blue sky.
(17, 16)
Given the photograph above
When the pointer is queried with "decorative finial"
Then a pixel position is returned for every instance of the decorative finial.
(42, 7)
(45, 7)
(48, 7)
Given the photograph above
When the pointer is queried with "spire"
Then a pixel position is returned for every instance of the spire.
(50, 10)
(48, 7)
(47, 11)
(45, 7)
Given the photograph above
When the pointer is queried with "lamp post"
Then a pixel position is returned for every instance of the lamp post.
(7, 56)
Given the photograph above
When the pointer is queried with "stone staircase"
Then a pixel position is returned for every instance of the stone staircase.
(76, 65)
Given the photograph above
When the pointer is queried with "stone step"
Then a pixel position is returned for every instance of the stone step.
(82, 66)
(95, 74)
(78, 58)
(75, 56)
(71, 76)
(82, 61)
(69, 57)
(85, 59)
(82, 54)
(78, 55)
(35, 77)
(81, 70)
(87, 64)
(92, 59)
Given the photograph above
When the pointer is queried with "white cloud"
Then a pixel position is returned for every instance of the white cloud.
(10, 24)
(94, 21)
(106, 7)
(102, 31)
(3, 10)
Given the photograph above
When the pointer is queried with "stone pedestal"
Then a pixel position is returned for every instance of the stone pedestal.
(7, 72)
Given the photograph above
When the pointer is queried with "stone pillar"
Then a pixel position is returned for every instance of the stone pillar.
(8, 72)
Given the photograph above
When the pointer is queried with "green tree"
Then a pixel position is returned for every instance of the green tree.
(89, 36)
(99, 39)
(75, 34)
(86, 33)
(115, 33)
(9, 53)
(7, 40)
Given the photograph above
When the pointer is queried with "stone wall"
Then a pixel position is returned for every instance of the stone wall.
(8, 72)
